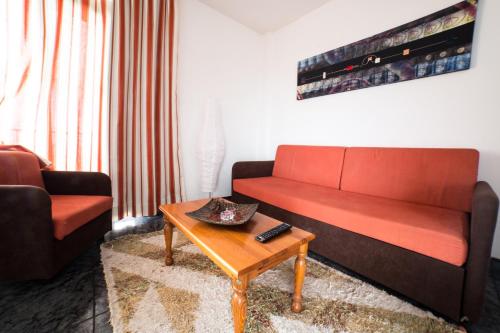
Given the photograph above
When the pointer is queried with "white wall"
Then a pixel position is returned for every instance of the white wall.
(453, 110)
(254, 76)
(218, 58)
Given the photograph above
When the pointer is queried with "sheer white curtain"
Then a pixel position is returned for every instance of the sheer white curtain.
(90, 85)
(54, 79)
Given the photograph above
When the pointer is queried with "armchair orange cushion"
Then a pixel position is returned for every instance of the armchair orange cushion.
(69, 212)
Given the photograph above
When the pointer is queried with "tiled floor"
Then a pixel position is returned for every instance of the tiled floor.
(76, 300)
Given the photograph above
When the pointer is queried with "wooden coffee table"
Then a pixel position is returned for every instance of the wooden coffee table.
(235, 250)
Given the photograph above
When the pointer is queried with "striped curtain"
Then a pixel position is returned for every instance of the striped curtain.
(144, 163)
(54, 79)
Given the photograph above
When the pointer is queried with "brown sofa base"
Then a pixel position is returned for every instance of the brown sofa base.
(430, 282)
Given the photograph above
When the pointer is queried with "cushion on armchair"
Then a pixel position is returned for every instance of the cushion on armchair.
(70, 212)
(18, 168)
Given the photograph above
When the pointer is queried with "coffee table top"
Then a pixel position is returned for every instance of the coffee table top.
(234, 248)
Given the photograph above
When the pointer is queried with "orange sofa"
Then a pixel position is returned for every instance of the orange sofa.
(47, 218)
(413, 219)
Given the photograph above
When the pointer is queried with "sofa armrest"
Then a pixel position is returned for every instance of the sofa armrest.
(26, 230)
(251, 169)
(77, 183)
(482, 228)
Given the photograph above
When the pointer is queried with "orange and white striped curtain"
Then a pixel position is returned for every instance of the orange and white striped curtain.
(90, 84)
(54, 79)
(144, 163)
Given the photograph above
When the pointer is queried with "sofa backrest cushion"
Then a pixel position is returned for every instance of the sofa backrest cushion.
(310, 164)
(19, 168)
(437, 177)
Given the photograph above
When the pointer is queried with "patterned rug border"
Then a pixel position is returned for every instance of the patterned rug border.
(117, 316)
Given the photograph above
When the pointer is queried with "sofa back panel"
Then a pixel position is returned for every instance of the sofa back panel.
(432, 176)
(18, 168)
(310, 164)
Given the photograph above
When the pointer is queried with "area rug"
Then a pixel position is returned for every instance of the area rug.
(194, 295)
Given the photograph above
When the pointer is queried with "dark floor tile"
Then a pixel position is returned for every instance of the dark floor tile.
(103, 323)
(495, 274)
(101, 292)
(53, 305)
(86, 326)
(495, 267)
(490, 318)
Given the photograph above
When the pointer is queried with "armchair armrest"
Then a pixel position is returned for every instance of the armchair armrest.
(77, 183)
(26, 230)
(251, 169)
(482, 228)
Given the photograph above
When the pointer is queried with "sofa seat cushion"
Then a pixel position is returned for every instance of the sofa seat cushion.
(70, 212)
(432, 231)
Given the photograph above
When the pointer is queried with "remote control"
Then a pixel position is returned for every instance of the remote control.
(271, 233)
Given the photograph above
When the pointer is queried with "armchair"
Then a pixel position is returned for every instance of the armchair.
(47, 218)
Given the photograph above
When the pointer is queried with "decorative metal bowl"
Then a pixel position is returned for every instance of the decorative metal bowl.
(223, 212)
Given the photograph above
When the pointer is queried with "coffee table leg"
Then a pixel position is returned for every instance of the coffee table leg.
(300, 272)
(168, 230)
(239, 303)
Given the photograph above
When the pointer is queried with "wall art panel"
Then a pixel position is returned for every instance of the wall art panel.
(437, 44)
